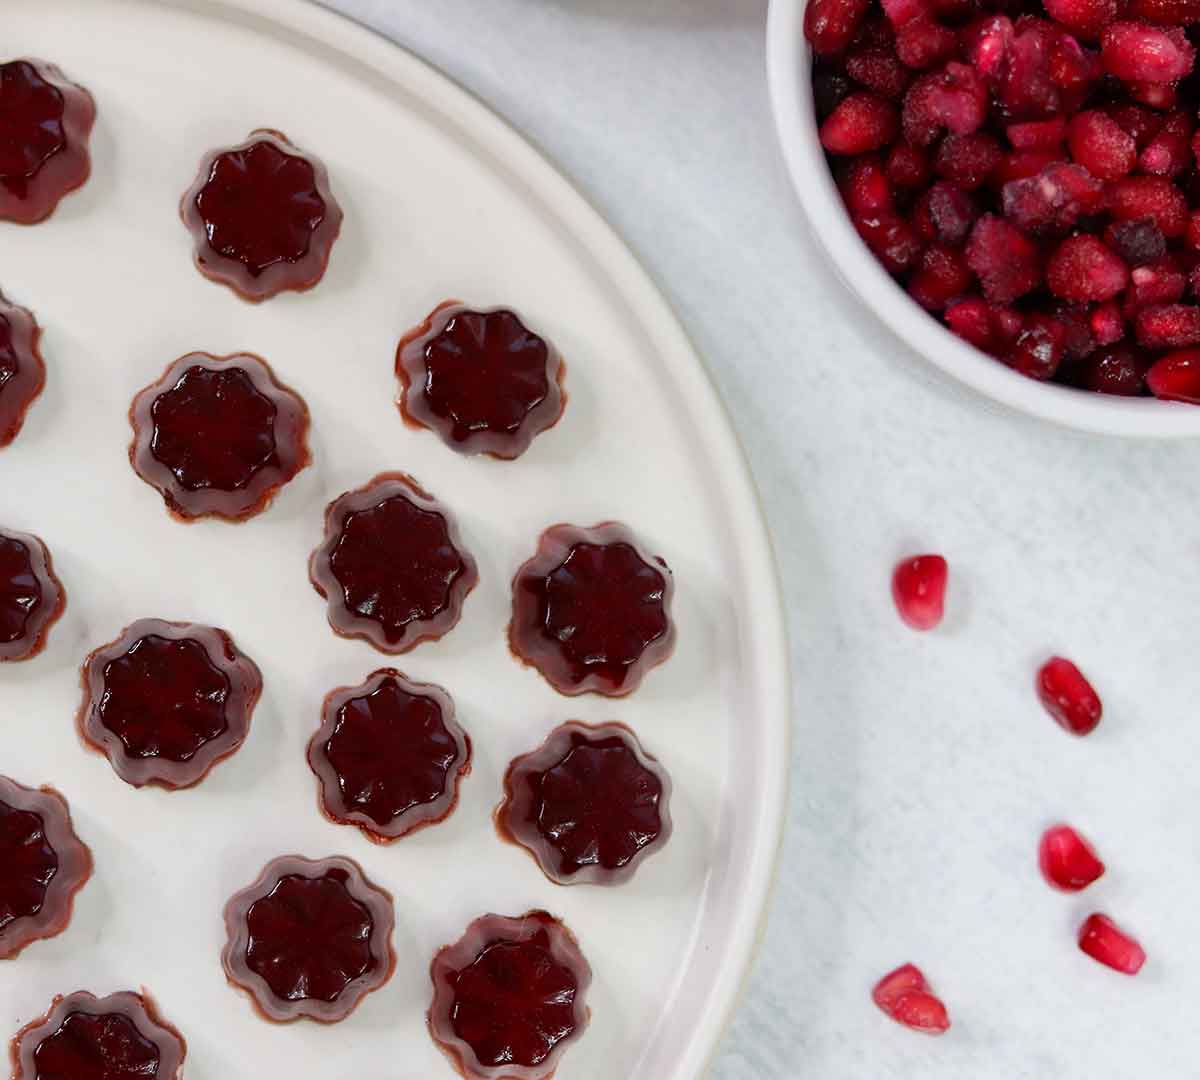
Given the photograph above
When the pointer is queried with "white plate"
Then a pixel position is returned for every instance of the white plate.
(441, 199)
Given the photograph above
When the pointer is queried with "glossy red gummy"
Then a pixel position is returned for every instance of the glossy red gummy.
(389, 755)
(592, 610)
(509, 997)
(22, 370)
(1067, 860)
(82, 1037)
(31, 596)
(218, 436)
(905, 996)
(482, 380)
(1040, 190)
(166, 701)
(45, 122)
(589, 804)
(919, 590)
(1068, 696)
(262, 216)
(392, 567)
(309, 939)
(1108, 944)
(44, 865)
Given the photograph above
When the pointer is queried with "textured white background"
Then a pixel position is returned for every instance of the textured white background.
(923, 768)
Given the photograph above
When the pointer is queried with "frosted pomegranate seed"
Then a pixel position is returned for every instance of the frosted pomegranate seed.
(1140, 52)
(1137, 242)
(865, 188)
(953, 99)
(1142, 124)
(1052, 201)
(900, 12)
(1005, 260)
(878, 68)
(1067, 860)
(1176, 376)
(1106, 323)
(941, 276)
(907, 166)
(970, 319)
(1167, 12)
(923, 42)
(1114, 370)
(830, 25)
(861, 123)
(1040, 347)
(1167, 326)
(1170, 151)
(967, 160)
(1022, 164)
(1100, 145)
(1082, 268)
(906, 997)
(1037, 134)
(1154, 197)
(1157, 284)
(1087, 18)
(919, 589)
(1068, 696)
(946, 213)
(892, 239)
(1108, 944)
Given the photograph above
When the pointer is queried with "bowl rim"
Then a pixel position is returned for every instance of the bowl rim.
(788, 69)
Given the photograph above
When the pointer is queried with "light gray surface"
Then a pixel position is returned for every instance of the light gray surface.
(923, 769)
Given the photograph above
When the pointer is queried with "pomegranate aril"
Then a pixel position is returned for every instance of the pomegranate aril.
(830, 25)
(953, 99)
(1106, 323)
(946, 213)
(1154, 197)
(900, 12)
(942, 276)
(1167, 326)
(1101, 145)
(1141, 52)
(1068, 697)
(1153, 285)
(1078, 341)
(1115, 370)
(967, 160)
(878, 68)
(1087, 18)
(922, 43)
(906, 997)
(1067, 860)
(1082, 269)
(1170, 151)
(892, 239)
(1161, 96)
(1176, 376)
(1004, 259)
(861, 123)
(1040, 347)
(1022, 164)
(865, 188)
(1108, 944)
(1166, 12)
(919, 590)
(1142, 124)
(1075, 71)
(1024, 84)
(1137, 242)
(907, 166)
(992, 329)
(1037, 134)
(1052, 201)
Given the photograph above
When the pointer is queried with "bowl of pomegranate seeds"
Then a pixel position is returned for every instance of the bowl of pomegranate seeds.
(1013, 186)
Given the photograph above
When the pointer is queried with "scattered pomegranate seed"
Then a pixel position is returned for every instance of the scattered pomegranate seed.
(878, 68)
(1107, 943)
(1153, 197)
(919, 589)
(953, 99)
(1140, 52)
(907, 998)
(1176, 376)
(830, 25)
(1068, 696)
(1004, 258)
(861, 123)
(923, 42)
(1168, 326)
(1082, 268)
(1067, 860)
(1100, 145)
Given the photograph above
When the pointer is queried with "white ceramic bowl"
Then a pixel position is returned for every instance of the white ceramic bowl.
(788, 70)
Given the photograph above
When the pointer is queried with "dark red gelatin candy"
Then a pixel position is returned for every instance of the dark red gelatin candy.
(218, 436)
(591, 610)
(45, 122)
(31, 596)
(43, 864)
(309, 939)
(389, 755)
(589, 804)
(166, 701)
(392, 566)
(262, 216)
(482, 380)
(83, 1037)
(509, 997)
(22, 370)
